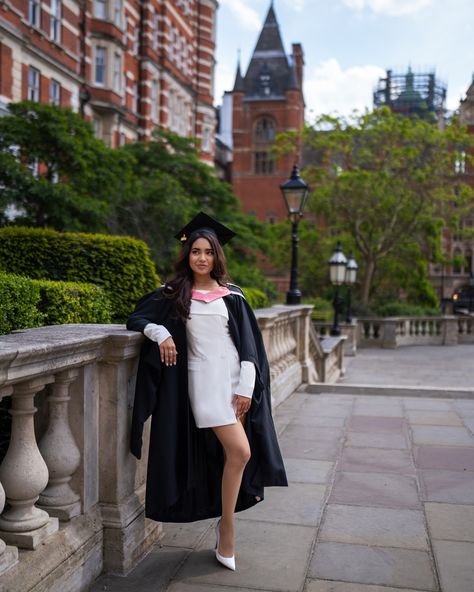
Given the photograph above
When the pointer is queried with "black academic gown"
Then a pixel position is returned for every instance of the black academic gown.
(184, 462)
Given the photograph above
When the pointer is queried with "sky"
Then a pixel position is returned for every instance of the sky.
(349, 45)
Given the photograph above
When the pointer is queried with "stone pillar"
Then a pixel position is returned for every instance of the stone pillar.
(8, 555)
(450, 330)
(389, 339)
(24, 473)
(127, 534)
(60, 452)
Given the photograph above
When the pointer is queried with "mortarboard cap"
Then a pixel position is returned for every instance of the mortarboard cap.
(202, 220)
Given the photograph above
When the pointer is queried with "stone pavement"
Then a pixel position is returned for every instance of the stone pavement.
(381, 499)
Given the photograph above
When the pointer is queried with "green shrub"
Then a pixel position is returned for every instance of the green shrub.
(18, 303)
(69, 302)
(403, 309)
(255, 297)
(323, 309)
(121, 265)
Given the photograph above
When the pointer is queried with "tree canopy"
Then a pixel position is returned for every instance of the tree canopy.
(55, 173)
(385, 184)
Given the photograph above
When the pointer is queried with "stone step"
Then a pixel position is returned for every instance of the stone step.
(390, 390)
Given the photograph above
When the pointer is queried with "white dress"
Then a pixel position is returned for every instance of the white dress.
(215, 373)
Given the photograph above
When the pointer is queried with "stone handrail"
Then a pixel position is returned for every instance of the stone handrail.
(74, 493)
(391, 332)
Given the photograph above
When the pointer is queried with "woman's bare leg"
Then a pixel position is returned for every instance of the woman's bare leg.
(237, 454)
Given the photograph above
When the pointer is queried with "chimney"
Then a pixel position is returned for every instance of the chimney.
(298, 61)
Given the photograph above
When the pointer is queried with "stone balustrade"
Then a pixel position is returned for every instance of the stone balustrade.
(73, 493)
(392, 332)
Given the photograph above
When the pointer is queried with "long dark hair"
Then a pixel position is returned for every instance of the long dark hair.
(179, 288)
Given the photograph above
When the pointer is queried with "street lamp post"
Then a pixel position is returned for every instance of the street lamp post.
(350, 279)
(337, 275)
(295, 193)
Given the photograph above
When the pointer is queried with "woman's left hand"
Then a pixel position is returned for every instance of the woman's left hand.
(241, 405)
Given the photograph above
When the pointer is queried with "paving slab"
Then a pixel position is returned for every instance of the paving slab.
(450, 522)
(376, 460)
(432, 417)
(375, 489)
(300, 470)
(380, 424)
(315, 433)
(469, 423)
(386, 410)
(150, 575)
(445, 435)
(377, 440)
(298, 448)
(300, 503)
(448, 486)
(456, 565)
(268, 557)
(400, 568)
(428, 404)
(325, 586)
(384, 527)
(325, 421)
(444, 457)
(184, 535)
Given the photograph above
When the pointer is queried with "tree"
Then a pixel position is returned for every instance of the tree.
(54, 172)
(386, 181)
(171, 185)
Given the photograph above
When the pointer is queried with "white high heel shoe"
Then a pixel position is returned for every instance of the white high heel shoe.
(228, 562)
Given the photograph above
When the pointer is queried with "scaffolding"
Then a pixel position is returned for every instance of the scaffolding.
(411, 94)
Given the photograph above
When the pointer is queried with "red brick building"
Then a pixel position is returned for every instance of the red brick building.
(266, 101)
(129, 66)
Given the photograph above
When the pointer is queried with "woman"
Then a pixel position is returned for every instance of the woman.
(203, 376)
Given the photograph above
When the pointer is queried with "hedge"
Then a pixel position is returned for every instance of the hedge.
(255, 297)
(70, 302)
(121, 265)
(26, 303)
(19, 301)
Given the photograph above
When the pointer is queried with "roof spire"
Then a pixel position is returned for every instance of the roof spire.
(239, 81)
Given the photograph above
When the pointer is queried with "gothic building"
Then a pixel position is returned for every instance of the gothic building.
(129, 66)
(267, 100)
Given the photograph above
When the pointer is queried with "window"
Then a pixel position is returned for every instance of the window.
(136, 41)
(186, 58)
(264, 130)
(460, 162)
(264, 134)
(117, 85)
(154, 100)
(206, 139)
(34, 13)
(118, 13)
(97, 125)
(54, 93)
(100, 9)
(156, 24)
(171, 45)
(100, 65)
(135, 98)
(122, 139)
(55, 22)
(33, 84)
(263, 163)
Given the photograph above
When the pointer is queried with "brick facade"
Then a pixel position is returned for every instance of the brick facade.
(127, 66)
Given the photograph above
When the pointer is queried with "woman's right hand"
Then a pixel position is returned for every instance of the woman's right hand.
(168, 352)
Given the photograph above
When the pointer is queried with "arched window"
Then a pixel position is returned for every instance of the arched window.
(263, 136)
(457, 261)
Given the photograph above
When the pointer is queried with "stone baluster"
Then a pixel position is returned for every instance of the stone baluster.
(60, 452)
(8, 555)
(24, 473)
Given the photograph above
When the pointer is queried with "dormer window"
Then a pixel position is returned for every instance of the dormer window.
(265, 84)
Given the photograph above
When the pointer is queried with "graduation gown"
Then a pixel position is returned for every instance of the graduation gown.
(185, 463)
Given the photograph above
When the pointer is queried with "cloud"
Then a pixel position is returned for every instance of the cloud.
(244, 14)
(330, 89)
(296, 5)
(389, 7)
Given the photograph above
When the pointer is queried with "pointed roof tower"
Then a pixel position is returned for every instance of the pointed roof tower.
(239, 81)
(269, 74)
